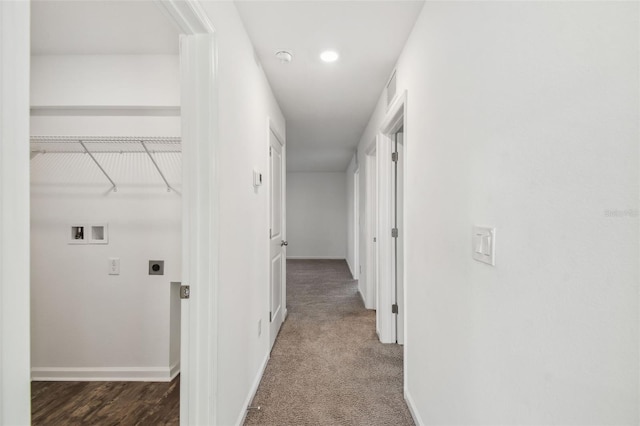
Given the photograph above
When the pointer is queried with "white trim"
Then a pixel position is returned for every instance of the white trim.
(103, 374)
(353, 276)
(362, 298)
(252, 391)
(317, 258)
(412, 409)
(393, 120)
(174, 370)
(106, 110)
(187, 15)
(200, 237)
(370, 230)
(15, 387)
(199, 314)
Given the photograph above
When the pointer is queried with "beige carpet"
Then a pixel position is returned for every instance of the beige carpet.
(327, 366)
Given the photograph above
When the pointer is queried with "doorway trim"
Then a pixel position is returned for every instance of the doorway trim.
(15, 360)
(371, 208)
(200, 234)
(394, 119)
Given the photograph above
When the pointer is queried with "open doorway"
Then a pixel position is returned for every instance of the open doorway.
(106, 214)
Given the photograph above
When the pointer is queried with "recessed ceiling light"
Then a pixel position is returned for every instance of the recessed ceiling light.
(284, 56)
(329, 56)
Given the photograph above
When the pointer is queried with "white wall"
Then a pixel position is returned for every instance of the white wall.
(316, 215)
(86, 323)
(522, 116)
(245, 103)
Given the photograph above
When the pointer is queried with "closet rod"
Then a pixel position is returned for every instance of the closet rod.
(156, 166)
(115, 188)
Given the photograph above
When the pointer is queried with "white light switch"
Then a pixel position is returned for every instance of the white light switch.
(114, 266)
(484, 244)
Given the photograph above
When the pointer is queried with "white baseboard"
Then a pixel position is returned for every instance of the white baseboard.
(362, 297)
(104, 374)
(315, 258)
(412, 409)
(174, 370)
(252, 392)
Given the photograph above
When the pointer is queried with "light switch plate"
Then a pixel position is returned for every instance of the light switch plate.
(257, 178)
(484, 244)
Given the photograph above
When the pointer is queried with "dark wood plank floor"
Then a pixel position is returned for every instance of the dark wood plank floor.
(105, 403)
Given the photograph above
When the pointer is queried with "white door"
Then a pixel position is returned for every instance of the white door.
(277, 235)
(398, 185)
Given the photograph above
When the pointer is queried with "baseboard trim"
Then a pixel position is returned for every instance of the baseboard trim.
(362, 298)
(252, 392)
(104, 374)
(174, 370)
(314, 258)
(412, 409)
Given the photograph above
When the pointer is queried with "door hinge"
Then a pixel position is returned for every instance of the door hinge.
(394, 308)
(270, 317)
(270, 233)
(269, 151)
(374, 239)
(185, 292)
(394, 157)
(394, 232)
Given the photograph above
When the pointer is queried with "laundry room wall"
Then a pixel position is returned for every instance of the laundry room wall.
(87, 324)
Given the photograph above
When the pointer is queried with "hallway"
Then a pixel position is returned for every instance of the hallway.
(327, 366)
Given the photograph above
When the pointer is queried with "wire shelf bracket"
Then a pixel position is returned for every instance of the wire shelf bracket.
(113, 184)
(169, 188)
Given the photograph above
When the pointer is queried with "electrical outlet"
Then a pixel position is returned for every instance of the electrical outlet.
(114, 266)
(259, 327)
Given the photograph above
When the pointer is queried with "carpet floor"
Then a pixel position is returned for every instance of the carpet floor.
(327, 366)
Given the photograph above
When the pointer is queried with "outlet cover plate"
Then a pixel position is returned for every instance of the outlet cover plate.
(156, 267)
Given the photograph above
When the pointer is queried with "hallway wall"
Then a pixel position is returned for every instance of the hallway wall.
(246, 102)
(522, 116)
(316, 215)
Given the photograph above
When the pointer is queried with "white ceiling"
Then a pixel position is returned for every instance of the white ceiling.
(327, 106)
(100, 27)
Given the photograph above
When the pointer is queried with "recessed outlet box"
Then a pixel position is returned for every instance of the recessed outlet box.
(99, 234)
(78, 234)
(156, 267)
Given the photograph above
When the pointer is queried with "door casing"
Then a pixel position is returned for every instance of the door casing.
(394, 119)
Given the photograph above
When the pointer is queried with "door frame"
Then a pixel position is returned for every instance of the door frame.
(15, 332)
(356, 224)
(371, 208)
(198, 83)
(395, 118)
(200, 214)
(273, 127)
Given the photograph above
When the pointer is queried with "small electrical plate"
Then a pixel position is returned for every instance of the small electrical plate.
(114, 266)
(257, 178)
(156, 267)
(484, 245)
